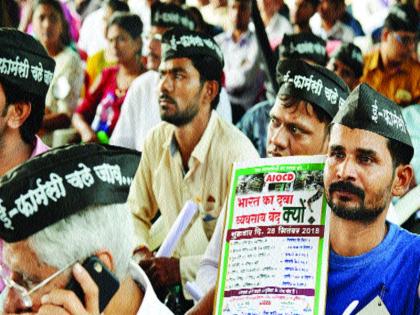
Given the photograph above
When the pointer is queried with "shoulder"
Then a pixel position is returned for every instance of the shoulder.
(158, 136)
(233, 141)
(145, 81)
(406, 243)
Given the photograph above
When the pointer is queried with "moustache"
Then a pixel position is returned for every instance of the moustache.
(347, 187)
(164, 97)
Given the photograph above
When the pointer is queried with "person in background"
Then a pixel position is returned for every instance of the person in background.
(51, 29)
(98, 113)
(389, 68)
(326, 23)
(304, 46)
(347, 63)
(103, 58)
(188, 156)
(83, 215)
(22, 99)
(244, 77)
(302, 12)
(276, 25)
(298, 125)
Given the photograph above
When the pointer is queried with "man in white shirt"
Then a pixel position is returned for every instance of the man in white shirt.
(326, 23)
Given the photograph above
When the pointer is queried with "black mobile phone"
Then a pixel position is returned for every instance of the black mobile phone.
(106, 281)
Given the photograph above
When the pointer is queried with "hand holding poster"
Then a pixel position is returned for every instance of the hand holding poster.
(275, 244)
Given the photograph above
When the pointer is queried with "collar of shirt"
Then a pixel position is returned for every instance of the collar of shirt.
(201, 149)
(39, 147)
(243, 40)
(150, 303)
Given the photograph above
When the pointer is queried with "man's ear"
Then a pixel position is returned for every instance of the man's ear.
(17, 113)
(106, 257)
(402, 179)
(211, 89)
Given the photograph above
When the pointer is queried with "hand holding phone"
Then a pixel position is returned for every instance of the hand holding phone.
(106, 281)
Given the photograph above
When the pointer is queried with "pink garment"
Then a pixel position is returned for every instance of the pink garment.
(40, 147)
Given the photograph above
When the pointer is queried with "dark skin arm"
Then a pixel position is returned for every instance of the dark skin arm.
(53, 121)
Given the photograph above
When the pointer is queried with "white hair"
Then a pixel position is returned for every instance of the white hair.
(82, 234)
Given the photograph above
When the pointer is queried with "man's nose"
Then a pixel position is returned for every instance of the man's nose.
(279, 138)
(346, 170)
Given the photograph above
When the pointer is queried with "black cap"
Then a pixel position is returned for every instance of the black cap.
(402, 17)
(369, 110)
(350, 55)
(179, 43)
(312, 83)
(24, 63)
(61, 182)
(170, 15)
(304, 46)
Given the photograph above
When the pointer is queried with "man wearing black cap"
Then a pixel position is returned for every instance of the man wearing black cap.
(299, 126)
(347, 63)
(26, 72)
(304, 46)
(390, 69)
(140, 111)
(371, 261)
(60, 209)
(188, 156)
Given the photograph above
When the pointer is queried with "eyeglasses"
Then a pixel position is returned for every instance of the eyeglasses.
(405, 39)
(23, 294)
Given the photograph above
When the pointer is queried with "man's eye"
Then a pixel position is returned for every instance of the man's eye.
(365, 159)
(274, 123)
(293, 129)
(337, 154)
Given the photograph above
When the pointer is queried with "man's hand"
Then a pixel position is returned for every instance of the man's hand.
(163, 272)
(60, 301)
(205, 305)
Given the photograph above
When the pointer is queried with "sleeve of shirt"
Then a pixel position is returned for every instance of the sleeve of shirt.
(207, 271)
(74, 75)
(141, 200)
(87, 108)
(123, 134)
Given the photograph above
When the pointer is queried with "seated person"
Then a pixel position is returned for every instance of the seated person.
(305, 46)
(51, 29)
(103, 58)
(100, 110)
(347, 62)
(389, 68)
(83, 214)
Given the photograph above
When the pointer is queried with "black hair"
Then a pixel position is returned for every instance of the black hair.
(117, 5)
(129, 22)
(56, 5)
(33, 123)
(320, 113)
(400, 153)
(210, 70)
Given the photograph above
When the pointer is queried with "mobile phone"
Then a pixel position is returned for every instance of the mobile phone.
(106, 281)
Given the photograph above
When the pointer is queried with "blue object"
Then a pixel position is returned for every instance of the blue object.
(390, 271)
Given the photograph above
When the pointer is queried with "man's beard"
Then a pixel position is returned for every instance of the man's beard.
(179, 118)
(359, 213)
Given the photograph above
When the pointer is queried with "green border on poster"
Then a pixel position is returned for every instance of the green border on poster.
(229, 220)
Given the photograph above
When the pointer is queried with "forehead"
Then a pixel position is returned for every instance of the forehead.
(46, 9)
(184, 64)
(293, 110)
(355, 139)
(116, 30)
